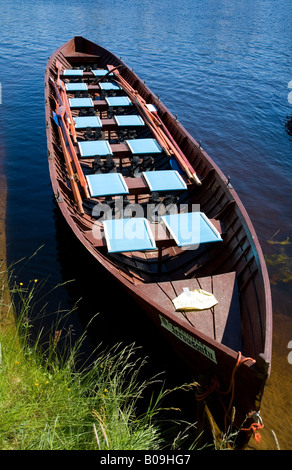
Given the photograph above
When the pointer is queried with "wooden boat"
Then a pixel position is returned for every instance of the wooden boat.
(153, 208)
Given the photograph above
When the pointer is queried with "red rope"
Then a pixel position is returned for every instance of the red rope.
(254, 427)
(239, 362)
(215, 386)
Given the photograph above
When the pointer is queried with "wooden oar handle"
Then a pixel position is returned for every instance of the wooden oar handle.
(96, 82)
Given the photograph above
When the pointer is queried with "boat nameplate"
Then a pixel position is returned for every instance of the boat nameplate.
(188, 339)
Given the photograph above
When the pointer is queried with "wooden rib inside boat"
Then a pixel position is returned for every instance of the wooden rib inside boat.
(154, 209)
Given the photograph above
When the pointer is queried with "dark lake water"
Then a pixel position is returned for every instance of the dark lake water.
(224, 68)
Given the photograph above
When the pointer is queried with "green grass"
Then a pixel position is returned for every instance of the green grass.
(49, 402)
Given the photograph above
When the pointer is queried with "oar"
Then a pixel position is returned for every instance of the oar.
(60, 99)
(64, 100)
(57, 93)
(60, 111)
(166, 131)
(70, 118)
(72, 177)
(168, 141)
(134, 96)
(58, 66)
(96, 82)
(162, 135)
(59, 82)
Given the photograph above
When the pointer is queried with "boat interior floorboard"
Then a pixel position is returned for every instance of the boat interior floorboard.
(222, 322)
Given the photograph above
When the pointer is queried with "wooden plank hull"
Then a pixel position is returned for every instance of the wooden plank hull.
(229, 344)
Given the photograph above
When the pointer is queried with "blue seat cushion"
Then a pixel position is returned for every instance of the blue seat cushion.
(100, 72)
(118, 101)
(80, 86)
(89, 148)
(81, 103)
(106, 184)
(110, 86)
(73, 72)
(129, 120)
(191, 228)
(164, 180)
(87, 121)
(133, 234)
(143, 146)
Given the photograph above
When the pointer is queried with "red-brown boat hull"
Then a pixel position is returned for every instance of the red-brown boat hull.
(244, 379)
